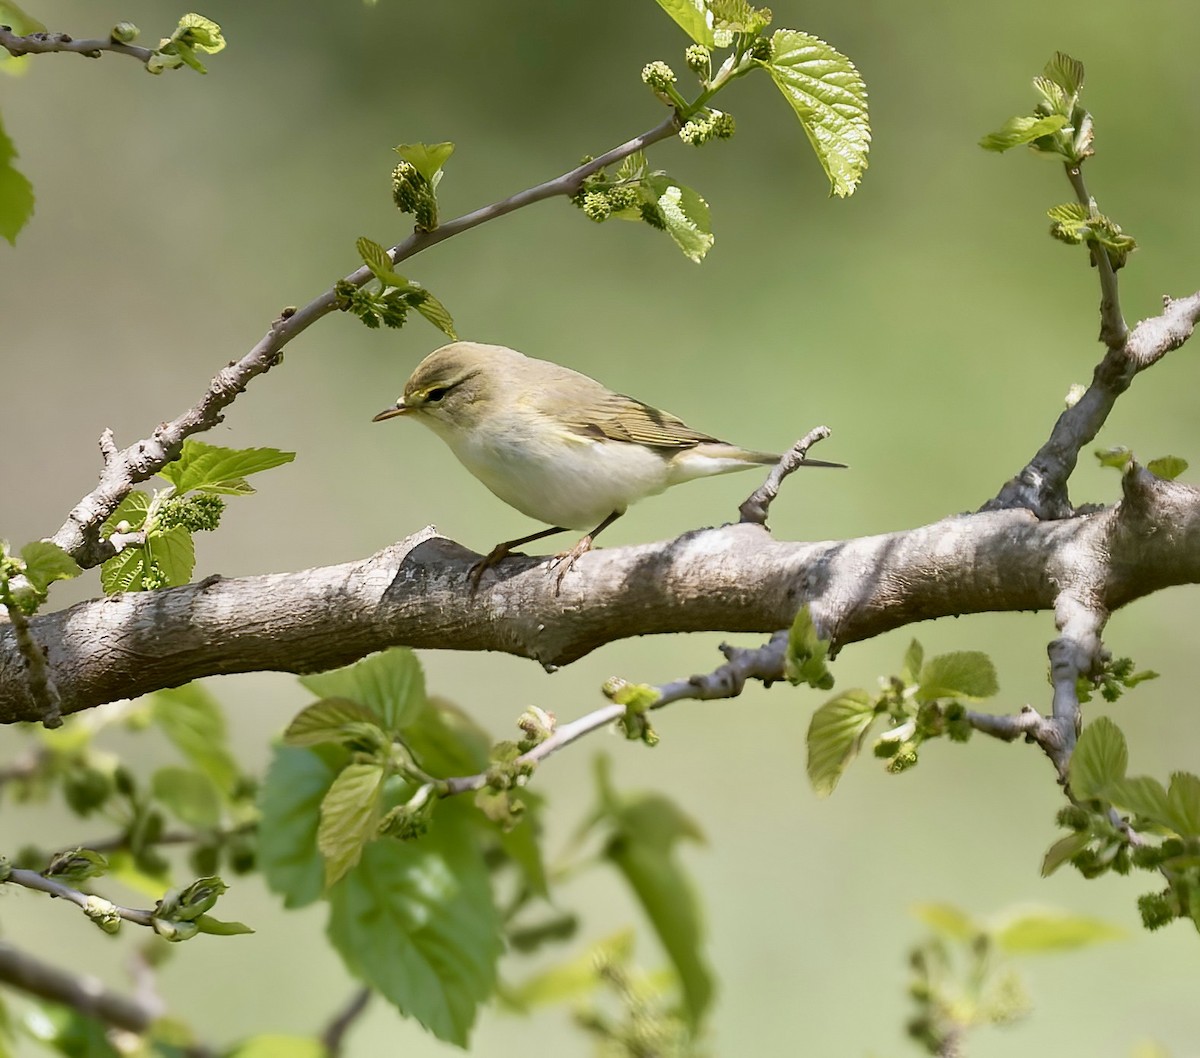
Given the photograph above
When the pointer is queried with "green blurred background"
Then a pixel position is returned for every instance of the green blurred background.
(929, 321)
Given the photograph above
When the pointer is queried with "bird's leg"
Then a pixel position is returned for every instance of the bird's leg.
(501, 551)
(564, 560)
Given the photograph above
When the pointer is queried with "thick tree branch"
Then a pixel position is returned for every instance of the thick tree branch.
(733, 579)
(80, 536)
(1041, 486)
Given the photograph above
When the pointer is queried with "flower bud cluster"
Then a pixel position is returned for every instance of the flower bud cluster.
(709, 125)
(413, 194)
(658, 75)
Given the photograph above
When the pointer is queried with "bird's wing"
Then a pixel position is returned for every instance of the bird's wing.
(621, 418)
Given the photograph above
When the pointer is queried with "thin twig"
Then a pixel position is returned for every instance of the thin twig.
(44, 43)
(33, 880)
(334, 1035)
(1113, 330)
(79, 535)
(765, 663)
(82, 993)
(755, 508)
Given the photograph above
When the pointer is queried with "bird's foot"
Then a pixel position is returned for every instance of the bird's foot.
(492, 558)
(565, 560)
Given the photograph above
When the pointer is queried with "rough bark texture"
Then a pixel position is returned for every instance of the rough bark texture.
(733, 579)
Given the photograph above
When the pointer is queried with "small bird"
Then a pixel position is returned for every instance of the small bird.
(555, 444)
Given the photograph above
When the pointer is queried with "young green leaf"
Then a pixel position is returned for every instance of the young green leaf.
(123, 572)
(835, 736)
(1183, 799)
(1063, 850)
(333, 720)
(219, 928)
(1101, 756)
(693, 17)
(1142, 795)
(190, 795)
(646, 829)
(376, 259)
(437, 314)
(1066, 72)
(271, 1045)
(16, 193)
(416, 921)
(350, 814)
(290, 802)
(173, 554)
(194, 723)
(738, 16)
(211, 468)
(427, 158)
(807, 652)
(951, 922)
(1117, 456)
(1039, 931)
(46, 562)
(1019, 130)
(1168, 468)
(389, 683)
(575, 978)
(827, 93)
(966, 674)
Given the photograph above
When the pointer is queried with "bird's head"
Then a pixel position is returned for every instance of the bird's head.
(452, 387)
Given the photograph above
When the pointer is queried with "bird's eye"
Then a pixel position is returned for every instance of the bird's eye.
(437, 393)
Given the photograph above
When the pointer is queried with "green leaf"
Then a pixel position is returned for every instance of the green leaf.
(427, 158)
(807, 652)
(835, 736)
(199, 32)
(272, 1045)
(16, 193)
(132, 509)
(1065, 72)
(645, 830)
(350, 814)
(68, 1033)
(211, 468)
(521, 844)
(1100, 758)
(1168, 468)
(437, 314)
(1142, 796)
(951, 922)
(1183, 798)
(966, 674)
(445, 741)
(684, 214)
(1073, 223)
(693, 17)
(190, 795)
(914, 658)
(123, 572)
(1018, 130)
(389, 683)
(1117, 456)
(1039, 931)
(193, 721)
(375, 257)
(174, 553)
(220, 928)
(827, 93)
(416, 921)
(334, 720)
(290, 802)
(1063, 850)
(738, 16)
(46, 562)
(573, 979)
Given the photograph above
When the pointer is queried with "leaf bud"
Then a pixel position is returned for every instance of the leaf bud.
(124, 33)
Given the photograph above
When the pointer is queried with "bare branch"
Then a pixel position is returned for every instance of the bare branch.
(44, 43)
(334, 1036)
(1113, 330)
(82, 993)
(766, 663)
(755, 508)
(79, 536)
(1041, 486)
(33, 880)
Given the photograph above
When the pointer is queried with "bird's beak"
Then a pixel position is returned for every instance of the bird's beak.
(399, 408)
